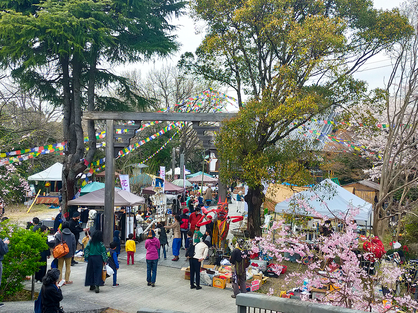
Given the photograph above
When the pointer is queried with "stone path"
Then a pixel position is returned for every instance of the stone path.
(172, 292)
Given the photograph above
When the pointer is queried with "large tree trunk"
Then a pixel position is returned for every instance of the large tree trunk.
(68, 135)
(91, 107)
(254, 199)
(73, 134)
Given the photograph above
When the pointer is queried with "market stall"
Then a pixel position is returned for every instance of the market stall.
(123, 199)
(329, 199)
(52, 176)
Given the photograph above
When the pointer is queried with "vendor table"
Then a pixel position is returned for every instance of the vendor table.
(48, 200)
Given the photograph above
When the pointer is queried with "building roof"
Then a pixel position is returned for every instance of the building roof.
(370, 184)
(367, 183)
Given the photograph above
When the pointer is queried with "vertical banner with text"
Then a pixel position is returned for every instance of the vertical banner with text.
(124, 182)
(162, 175)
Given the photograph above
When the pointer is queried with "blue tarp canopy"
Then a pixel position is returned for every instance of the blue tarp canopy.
(328, 199)
(197, 174)
(91, 187)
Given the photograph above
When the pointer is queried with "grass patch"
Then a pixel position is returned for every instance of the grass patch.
(23, 295)
(18, 213)
(280, 283)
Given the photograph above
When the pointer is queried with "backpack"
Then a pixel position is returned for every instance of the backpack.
(38, 303)
(184, 223)
(110, 260)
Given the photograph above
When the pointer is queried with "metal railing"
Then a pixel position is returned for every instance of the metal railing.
(256, 303)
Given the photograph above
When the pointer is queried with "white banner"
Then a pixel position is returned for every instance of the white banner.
(162, 175)
(124, 182)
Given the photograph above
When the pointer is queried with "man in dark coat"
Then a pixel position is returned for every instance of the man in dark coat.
(57, 221)
(36, 224)
(76, 229)
(240, 260)
(39, 275)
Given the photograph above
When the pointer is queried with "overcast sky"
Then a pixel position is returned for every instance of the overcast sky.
(375, 72)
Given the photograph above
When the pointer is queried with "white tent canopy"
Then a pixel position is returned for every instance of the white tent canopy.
(97, 198)
(52, 173)
(176, 171)
(329, 199)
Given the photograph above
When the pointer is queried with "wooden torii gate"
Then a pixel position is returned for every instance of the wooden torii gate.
(138, 117)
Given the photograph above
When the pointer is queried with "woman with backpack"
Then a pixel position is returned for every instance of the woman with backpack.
(66, 236)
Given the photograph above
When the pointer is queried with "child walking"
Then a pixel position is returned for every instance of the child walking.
(112, 261)
(130, 248)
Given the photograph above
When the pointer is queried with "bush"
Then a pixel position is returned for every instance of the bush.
(23, 258)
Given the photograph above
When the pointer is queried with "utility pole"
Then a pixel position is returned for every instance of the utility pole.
(181, 166)
(173, 161)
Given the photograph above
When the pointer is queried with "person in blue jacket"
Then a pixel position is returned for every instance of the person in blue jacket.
(112, 261)
(116, 239)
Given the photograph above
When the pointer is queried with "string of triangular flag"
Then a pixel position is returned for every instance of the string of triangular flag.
(95, 167)
(190, 104)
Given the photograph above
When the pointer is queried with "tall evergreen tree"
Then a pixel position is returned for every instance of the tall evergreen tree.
(55, 48)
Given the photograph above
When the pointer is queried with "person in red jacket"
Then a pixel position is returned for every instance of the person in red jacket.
(184, 228)
(195, 217)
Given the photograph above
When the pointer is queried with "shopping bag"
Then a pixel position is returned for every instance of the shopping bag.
(60, 250)
(104, 274)
(109, 270)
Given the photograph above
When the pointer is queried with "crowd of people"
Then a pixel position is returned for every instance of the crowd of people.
(186, 235)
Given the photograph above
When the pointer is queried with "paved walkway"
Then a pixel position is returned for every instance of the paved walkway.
(172, 291)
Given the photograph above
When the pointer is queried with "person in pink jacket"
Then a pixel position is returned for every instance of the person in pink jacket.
(152, 244)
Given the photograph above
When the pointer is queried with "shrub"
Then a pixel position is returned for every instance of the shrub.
(23, 258)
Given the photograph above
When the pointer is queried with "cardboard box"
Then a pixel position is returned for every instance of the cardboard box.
(187, 275)
(208, 266)
(226, 276)
(252, 285)
(258, 276)
(255, 285)
(219, 283)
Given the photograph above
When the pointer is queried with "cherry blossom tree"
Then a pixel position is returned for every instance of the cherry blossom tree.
(353, 286)
(385, 128)
(13, 186)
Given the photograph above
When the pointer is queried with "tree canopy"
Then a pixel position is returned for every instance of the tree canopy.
(295, 60)
(56, 48)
